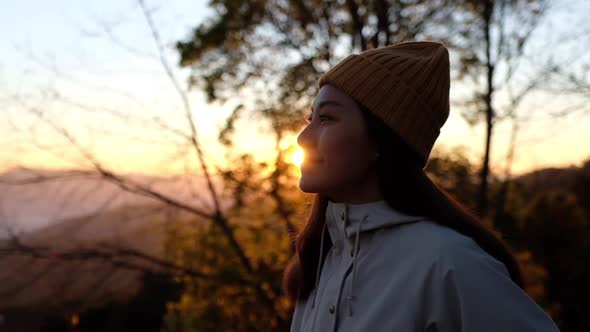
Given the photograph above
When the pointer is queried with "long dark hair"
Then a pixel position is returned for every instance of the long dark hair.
(405, 187)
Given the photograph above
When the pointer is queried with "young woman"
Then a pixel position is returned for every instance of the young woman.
(384, 248)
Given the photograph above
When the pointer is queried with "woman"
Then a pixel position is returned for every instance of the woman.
(384, 248)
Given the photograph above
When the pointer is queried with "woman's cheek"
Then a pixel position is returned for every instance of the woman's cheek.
(343, 157)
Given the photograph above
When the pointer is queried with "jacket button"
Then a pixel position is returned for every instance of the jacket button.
(332, 309)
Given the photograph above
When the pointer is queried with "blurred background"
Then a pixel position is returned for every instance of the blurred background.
(149, 166)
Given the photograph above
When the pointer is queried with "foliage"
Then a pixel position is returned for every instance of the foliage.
(557, 230)
(226, 301)
(274, 51)
(453, 172)
(142, 313)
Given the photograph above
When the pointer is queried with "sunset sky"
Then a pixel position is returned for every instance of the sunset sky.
(65, 46)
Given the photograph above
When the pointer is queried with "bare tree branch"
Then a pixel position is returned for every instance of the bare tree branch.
(218, 217)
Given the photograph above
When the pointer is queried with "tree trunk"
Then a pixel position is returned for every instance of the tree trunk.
(357, 24)
(485, 170)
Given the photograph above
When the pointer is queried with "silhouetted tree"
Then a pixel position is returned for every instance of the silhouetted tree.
(490, 42)
(557, 231)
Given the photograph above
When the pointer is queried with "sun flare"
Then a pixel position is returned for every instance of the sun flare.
(297, 157)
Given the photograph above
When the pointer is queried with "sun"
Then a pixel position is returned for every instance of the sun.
(297, 157)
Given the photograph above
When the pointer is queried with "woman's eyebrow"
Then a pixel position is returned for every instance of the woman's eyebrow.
(327, 102)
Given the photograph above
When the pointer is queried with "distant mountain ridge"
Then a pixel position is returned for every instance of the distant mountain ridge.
(33, 206)
(85, 213)
(552, 178)
(28, 282)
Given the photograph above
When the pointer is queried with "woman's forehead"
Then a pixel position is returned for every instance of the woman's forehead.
(330, 94)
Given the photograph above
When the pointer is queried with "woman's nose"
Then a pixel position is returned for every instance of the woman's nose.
(302, 138)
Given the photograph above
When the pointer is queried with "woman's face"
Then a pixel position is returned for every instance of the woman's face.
(337, 148)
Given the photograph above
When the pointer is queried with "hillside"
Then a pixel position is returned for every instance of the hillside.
(27, 282)
(32, 206)
(551, 178)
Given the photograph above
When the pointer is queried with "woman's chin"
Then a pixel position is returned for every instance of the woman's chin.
(307, 187)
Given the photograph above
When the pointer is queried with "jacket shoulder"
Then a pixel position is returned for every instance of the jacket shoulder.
(455, 284)
(432, 243)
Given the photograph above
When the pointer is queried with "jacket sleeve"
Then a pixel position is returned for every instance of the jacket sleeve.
(469, 290)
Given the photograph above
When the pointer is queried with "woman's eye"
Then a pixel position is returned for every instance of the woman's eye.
(308, 118)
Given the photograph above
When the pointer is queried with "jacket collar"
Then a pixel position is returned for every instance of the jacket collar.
(343, 218)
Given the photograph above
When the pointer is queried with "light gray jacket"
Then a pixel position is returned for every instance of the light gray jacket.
(410, 274)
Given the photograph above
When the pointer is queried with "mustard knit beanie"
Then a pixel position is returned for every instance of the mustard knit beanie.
(406, 85)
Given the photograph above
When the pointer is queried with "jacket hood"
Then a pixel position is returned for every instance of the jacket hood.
(345, 222)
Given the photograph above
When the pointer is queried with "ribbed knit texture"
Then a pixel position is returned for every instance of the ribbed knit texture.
(406, 85)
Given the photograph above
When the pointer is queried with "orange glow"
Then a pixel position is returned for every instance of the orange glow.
(297, 157)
